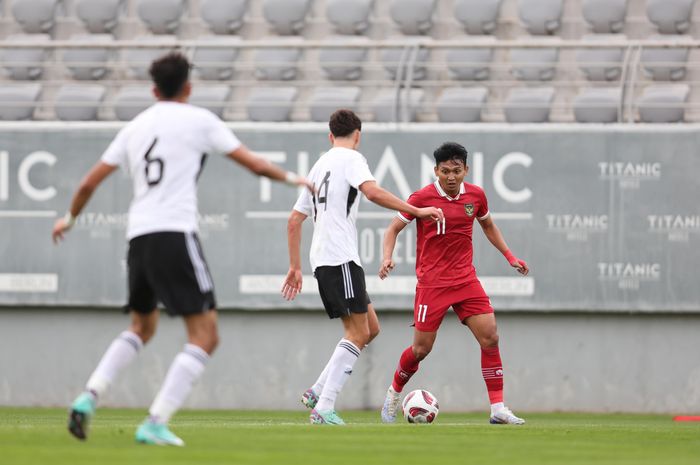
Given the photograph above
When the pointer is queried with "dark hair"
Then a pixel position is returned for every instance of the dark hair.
(450, 151)
(170, 73)
(343, 122)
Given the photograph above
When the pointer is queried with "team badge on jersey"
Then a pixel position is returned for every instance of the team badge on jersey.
(469, 209)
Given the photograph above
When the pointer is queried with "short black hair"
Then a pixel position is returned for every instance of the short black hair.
(344, 122)
(170, 73)
(450, 151)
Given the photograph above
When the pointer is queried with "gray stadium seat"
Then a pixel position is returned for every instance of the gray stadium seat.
(25, 63)
(670, 16)
(18, 101)
(138, 60)
(528, 105)
(386, 110)
(663, 103)
(88, 63)
(478, 16)
(271, 103)
(215, 63)
(343, 63)
(325, 100)
(413, 16)
(224, 16)
(541, 17)
(461, 105)
(469, 64)
(132, 100)
(665, 64)
(601, 64)
(99, 16)
(597, 105)
(78, 102)
(392, 60)
(277, 64)
(349, 16)
(212, 97)
(161, 16)
(534, 64)
(35, 16)
(286, 17)
(605, 16)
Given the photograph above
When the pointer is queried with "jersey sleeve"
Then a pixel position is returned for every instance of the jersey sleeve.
(116, 153)
(358, 172)
(413, 199)
(483, 211)
(221, 139)
(304, 203)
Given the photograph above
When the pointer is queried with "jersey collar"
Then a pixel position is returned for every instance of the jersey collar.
(442, 193)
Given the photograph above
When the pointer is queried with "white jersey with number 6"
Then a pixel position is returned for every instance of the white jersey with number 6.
(337, 176)
(164, 149)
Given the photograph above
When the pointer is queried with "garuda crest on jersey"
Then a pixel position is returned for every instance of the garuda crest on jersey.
(469, 209)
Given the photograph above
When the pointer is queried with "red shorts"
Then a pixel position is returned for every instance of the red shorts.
(432, 303)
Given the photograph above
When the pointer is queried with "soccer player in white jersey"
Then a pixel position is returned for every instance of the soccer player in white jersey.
(163, 149)
(338, 176)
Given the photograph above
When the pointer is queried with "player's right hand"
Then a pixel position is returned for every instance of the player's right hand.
(308, 184)
(59, 228)
(385, 269)
(292, 284)
(435, 214)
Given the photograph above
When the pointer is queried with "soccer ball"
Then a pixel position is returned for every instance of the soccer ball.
(420, 406)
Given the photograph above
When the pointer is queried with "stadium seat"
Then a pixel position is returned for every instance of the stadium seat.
(99, 16)
(325, 100)
(286, 17)
(478, 16)
(541, 17)
(215, 63)
(665, 64)
(528, 105)
(461, 104)
(224, 16)
(138, 60)
(277, 64)
(390, 106)
(605, 16)
(663, 103)
(35, 16)
(413, 16)
(88, 63)
(212, 97)
(343, 63)
(132, 100)
(349, 16)
(78, 102)
(18, 101)
(272, 104)
(534, 64)
(601, 64)
(469, 64)
(670, 16)
(597, 105)
(394, 59)
(161, 16)
(25, 63)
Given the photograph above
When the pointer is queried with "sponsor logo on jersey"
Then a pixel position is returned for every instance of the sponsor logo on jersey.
(469, 209)
(629, 275)
(677, 227)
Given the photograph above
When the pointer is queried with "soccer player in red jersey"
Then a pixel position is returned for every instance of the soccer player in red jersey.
(447, 278)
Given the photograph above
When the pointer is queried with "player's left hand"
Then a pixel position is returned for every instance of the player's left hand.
(59, 229)
(292, 284)
(385, 269)
(521, 266)
(303, 182)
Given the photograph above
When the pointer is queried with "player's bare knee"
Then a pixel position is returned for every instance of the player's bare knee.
(144, 331)
(421, 351)
(489, 340)
(373, 332)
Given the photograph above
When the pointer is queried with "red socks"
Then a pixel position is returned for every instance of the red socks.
(408, 365)
(492, 370)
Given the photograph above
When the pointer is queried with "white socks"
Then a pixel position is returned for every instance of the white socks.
(119, 354)
(187, 367)
(338, 370)
(497, 407)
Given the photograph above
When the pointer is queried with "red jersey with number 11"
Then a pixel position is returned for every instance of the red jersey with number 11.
(444, 250)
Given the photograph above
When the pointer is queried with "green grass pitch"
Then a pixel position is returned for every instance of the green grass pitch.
(39, 436)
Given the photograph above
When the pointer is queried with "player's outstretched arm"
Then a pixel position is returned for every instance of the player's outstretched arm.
(493, 234)
(386, 199)
(292, 283)
(388, 245)
(258, 165)
(87, 186)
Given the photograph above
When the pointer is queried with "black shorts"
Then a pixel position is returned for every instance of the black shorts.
(342, 289)
(169, 267)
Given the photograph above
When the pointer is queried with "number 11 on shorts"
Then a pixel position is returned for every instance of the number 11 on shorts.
(422, 311)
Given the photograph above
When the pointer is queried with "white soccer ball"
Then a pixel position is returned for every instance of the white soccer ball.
(420, 406)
